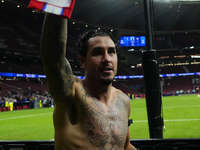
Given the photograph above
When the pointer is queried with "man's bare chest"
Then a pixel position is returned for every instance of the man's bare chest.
(105, 128)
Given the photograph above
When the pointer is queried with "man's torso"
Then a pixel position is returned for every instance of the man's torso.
(92, 125)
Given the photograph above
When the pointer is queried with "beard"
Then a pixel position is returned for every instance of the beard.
(105, 82)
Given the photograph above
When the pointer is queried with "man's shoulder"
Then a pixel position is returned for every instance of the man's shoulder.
(78, 82)
(120, 94)
(76, 79)
(122, 99)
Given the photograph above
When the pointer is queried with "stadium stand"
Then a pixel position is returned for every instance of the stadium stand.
(18, 35)
(171, 69)
(5, 88)
(124, 88)
(178, 83)
(137, 71)
(25, 84)
(193, 68)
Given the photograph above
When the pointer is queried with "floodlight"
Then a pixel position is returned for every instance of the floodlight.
(178, 1)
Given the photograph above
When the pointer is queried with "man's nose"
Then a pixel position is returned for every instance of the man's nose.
(106, 57)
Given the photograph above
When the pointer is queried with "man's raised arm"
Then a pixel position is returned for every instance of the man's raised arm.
(53, 49)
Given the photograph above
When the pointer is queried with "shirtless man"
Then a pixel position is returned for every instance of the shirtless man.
(89, 114)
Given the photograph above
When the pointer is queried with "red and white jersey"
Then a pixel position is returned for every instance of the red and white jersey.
(59, 7)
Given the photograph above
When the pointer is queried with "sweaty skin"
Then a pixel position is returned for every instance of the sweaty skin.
(88, 115)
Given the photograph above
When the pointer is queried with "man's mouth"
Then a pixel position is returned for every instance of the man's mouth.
(106, 69)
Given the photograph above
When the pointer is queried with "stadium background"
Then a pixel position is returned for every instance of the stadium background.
(177, 28)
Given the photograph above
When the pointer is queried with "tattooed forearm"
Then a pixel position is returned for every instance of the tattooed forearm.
(53, 49)
(54, 38)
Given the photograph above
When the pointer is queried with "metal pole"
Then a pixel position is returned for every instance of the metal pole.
(148, 25)
(152, 80)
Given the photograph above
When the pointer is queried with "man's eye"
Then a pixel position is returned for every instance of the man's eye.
(97, 52)
(111, 51)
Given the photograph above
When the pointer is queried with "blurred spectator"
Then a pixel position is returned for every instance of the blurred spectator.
(23, 96)
(188, 92)
(193, 91)
(197, 91)
(2, 103)
(181, 92)
(177, 92)
(11, 104)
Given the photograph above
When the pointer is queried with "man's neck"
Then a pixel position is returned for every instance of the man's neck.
(98, 90)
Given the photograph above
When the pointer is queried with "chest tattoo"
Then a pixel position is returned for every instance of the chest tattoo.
(105, 128)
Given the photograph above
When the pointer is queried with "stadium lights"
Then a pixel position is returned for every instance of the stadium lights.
(185, 0)
(178, 1)
(132, 66)
(27, 76)
(130, 50)
(194, 56)
(191, 47)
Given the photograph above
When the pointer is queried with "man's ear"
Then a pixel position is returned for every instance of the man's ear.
(82, 61)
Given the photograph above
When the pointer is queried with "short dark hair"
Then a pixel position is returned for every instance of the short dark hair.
(82, 44)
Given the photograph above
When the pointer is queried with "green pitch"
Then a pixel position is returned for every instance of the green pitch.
(181, 119)
(29, 124)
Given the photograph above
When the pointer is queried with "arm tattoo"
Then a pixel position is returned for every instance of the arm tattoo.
(77, 79)
(53, 50)
(67, 78)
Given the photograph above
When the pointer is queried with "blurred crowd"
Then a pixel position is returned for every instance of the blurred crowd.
(18, 97)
